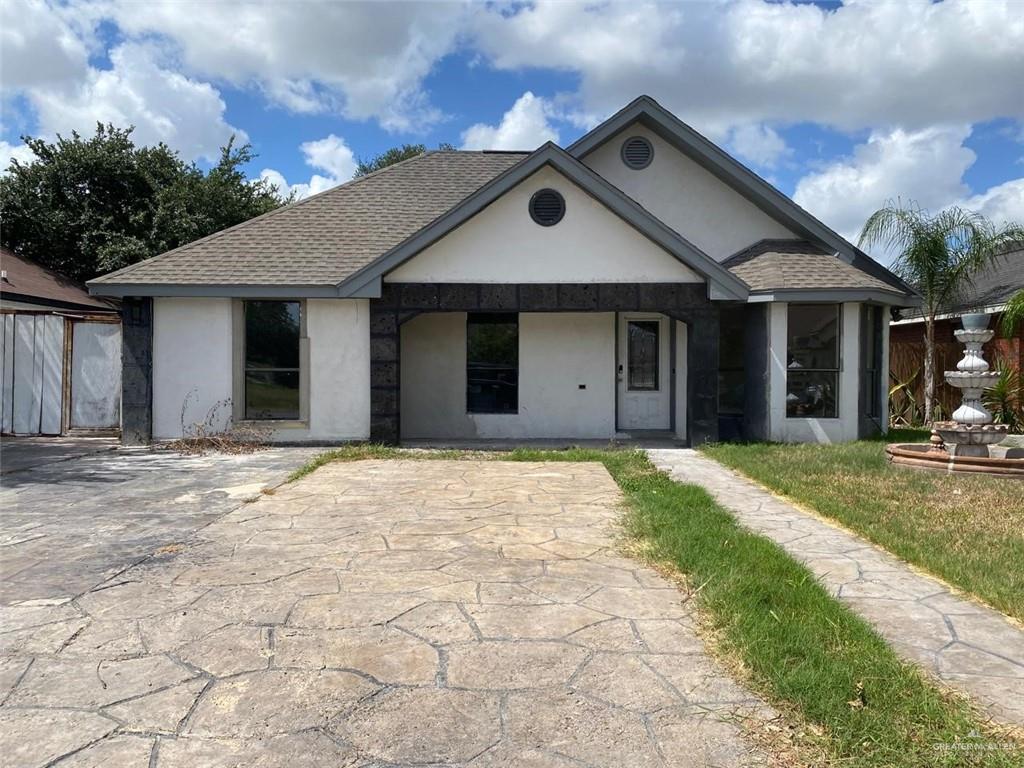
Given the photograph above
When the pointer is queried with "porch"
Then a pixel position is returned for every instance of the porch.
(573, 377)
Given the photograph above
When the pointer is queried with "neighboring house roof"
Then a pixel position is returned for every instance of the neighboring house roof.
(342, 241)
(27, 282)
(799, 270)
(990, 289)
(322, 240)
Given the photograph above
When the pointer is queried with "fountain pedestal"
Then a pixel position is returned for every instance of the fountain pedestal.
(971, 431)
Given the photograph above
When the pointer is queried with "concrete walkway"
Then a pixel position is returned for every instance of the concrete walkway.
(966, 645)
(380, 613)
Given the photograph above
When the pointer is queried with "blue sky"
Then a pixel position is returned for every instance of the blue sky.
(842, 107)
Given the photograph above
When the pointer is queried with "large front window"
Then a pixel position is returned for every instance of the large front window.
(492, 363)
(812, 361)
(272, 332)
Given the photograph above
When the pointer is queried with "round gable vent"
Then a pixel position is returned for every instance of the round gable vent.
(547, 207)
(637, 152)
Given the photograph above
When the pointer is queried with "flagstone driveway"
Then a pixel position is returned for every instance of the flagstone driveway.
(380, 614)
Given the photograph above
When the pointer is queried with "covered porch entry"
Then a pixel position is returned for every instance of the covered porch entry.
(530, 361)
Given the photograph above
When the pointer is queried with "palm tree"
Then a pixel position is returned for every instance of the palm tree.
(939, 255)
(1013, 315)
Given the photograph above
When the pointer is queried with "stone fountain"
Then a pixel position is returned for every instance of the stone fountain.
(962, 445)
(971, 431)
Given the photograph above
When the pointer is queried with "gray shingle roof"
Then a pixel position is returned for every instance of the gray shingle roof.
(325, 238)
(784, 265)
(992, 286)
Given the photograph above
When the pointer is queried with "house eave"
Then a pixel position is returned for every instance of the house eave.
(250, 291)
(829, 295)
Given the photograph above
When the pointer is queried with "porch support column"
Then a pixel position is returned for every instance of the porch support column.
(136, 371)
(385, 372)
(702, 375)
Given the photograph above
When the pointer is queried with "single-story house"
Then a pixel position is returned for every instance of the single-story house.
(638, 282)
(60, 354)
(989, 291)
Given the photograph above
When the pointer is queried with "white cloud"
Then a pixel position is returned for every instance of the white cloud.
(360, 59)
(759, 144)
(19, 152)
(1002, 204)
(719, 65)
(524, 126)
(40, 44)
(140, 88)
(926, 166)
(329, 154)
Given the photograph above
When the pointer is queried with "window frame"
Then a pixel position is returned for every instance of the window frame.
(240, 368)
(492, 318)
(837, 371)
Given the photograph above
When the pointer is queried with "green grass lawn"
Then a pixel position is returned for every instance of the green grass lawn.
(802, 650)
(967, 530)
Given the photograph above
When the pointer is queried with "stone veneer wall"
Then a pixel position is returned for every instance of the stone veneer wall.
(687, 302)
(136, 371)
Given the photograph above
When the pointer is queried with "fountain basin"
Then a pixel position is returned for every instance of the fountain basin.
(971, 379)
(954, 433)
(923, 456)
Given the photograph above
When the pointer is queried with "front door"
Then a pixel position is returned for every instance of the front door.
(644, 372)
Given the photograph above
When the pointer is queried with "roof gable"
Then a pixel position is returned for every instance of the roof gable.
(503, 244)
(721, 283)
(648, 112)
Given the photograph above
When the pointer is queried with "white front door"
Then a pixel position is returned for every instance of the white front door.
(644, 372)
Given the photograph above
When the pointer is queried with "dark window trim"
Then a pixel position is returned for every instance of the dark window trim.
(492, 318)
(838, 370)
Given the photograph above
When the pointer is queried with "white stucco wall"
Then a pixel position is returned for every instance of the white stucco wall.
(339, 361)
(557, 353)
(705, 211)
(502, 244)
(802, 430)
(192, 353)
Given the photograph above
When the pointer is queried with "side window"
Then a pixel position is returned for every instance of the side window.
(271, 369)
(812, 361)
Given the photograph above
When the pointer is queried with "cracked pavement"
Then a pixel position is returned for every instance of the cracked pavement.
(380, 613)
(961, 642)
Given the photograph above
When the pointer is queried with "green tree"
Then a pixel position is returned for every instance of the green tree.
(939, 255)
(394, 155)
(85, 206)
